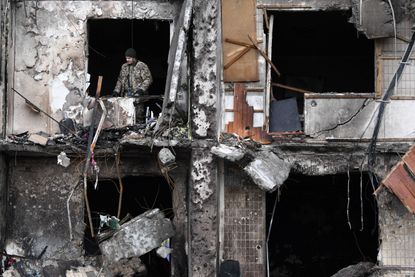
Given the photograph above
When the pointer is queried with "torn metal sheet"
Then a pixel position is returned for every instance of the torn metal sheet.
(138, 236)
(401, 180)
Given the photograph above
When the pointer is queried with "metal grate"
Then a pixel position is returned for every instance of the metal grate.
(244, 228)
(391, 54)
(406, 84)
(398, 246)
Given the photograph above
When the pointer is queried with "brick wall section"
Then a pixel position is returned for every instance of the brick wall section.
(244, 224)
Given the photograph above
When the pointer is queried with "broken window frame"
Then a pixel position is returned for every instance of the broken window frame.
(380, 57)
(269, 42)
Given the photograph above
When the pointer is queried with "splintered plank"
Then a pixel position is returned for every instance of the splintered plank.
(238, 23)
(401, 180)
(243, 119)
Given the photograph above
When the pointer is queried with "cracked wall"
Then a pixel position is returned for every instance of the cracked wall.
(48, 62)
(354, 118)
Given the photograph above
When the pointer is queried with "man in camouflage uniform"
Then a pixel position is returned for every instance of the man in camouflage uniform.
(133, 81)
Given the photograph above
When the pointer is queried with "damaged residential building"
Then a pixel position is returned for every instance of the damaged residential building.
(277, 138)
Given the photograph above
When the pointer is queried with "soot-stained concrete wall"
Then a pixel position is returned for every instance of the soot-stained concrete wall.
(203, 213)
(204, 84)
(37, 215)
(48, 55)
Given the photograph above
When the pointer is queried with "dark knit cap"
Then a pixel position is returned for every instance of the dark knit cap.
(130, 52)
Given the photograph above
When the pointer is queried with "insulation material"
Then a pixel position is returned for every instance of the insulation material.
(401, 180)
(238, 23)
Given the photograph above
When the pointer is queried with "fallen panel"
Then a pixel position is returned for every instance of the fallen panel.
(401, 180)
(138, 236)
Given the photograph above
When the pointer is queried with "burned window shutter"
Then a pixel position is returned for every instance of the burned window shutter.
(238, 23)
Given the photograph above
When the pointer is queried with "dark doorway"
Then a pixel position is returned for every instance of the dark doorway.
(109, 38)
(310, 235)
(319, 52)
(140, 194)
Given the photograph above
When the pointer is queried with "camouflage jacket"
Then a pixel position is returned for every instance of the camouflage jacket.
(132, 78)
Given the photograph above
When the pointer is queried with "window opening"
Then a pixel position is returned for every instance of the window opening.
(110, 38)
(140, 194)
(318, 52)
(310, 235)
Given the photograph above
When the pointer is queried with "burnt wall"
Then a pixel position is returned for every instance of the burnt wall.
(203, 213)
(37, 215)
(3, 198)
(204, 83)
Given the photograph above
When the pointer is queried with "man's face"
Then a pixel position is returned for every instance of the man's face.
(129, 60)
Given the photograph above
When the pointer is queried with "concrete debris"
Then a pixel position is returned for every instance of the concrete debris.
(63, 160)
(38, 139)
(265, 168)
(128, 267)
(268, 171)
(228, 152)
(138, 236)
(166, 157)
(375, 19)
(87, 271)
(357, 270)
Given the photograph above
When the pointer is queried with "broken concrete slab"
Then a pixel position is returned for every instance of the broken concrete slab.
(38, 139)
(268, 171)
(138, 236)
(228, 152)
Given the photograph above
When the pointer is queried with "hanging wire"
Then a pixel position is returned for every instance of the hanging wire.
(361, 202)
(348, 199)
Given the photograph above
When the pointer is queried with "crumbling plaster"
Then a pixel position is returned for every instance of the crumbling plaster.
(204, 78)
(50, 53)
(203, 213)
